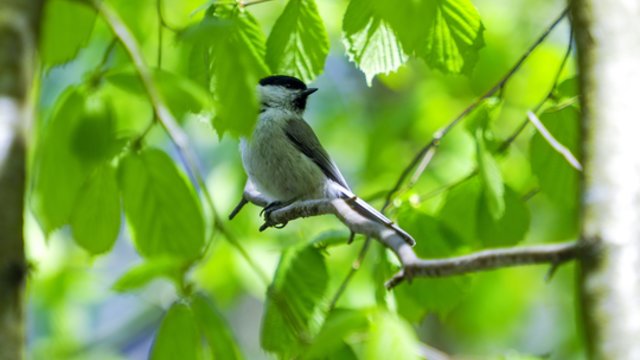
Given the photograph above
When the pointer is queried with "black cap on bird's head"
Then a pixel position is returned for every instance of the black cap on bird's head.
(291, 85)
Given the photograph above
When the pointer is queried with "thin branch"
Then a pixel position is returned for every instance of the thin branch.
(355, 266)
(168, 122)
(251, 3)
(423, 157)
(412, 265)
(553, 142)
(554, 255)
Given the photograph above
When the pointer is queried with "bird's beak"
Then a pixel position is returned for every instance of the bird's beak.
(308, 92)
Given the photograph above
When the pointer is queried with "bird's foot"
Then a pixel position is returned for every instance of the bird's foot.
(268, 210)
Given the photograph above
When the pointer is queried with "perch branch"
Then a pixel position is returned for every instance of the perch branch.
(412, 265)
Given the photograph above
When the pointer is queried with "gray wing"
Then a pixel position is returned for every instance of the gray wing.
(304, 139)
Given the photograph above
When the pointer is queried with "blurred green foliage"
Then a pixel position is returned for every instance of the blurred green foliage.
(390, 75)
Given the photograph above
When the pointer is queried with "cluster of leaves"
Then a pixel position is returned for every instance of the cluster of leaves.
(91, 163)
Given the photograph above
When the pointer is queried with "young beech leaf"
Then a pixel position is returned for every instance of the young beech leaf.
(454, 37)
(162, 212)
(370, 41)
(78, 139)
(66, 29)
(339, 325)
(507, 230)
(140, 275)
(391, 337)
(491, 177)
(95, 221)
(229, 46)
(292, 311)
(298, 43)
(178, 336)
(215, 329)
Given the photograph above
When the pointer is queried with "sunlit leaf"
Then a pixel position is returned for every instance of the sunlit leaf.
(391, 337)
(491, 177)
(66, 29)
(163, 214)
(292, 311)
(150, 270)
(454, 37)
(298, 43)
(180, 94)
(95, 221)
(369, 40)
(77, 139)
(230, 47)
(340, 324)
(178, 336)
(59, 174)
(217, 332)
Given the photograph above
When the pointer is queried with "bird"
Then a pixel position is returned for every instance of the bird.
(284, 159)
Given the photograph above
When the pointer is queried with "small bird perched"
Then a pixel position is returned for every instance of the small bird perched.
(284, 159)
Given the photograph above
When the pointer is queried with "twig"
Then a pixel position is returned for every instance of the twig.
(426, 153)
(168, 122)
(254, 2)
(412, 265)
(555, 255)
(355, 266)
(555, 144)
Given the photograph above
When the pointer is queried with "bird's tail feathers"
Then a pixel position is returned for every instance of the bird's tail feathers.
(368, 211)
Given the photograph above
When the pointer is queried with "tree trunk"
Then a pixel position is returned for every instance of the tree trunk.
(18, 33)
(608, 34)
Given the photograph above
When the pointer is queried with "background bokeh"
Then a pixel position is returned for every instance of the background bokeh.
(372, 134)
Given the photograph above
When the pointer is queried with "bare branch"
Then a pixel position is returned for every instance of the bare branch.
(412, 265)
(554, 255)
(555, 144)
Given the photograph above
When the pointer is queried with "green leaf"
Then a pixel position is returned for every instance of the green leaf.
(58, 173)
(181, 94)
(234, 47)
(162, 212)
(430, 295)
(391, 338)
(454, 37)
(67, 27)
(298, 43)
(217, 332)
(178, 336)
(292, 310)
(369, 40)
(557, 179)
(340, 324)
(152, 269)
(460, 207)
(95, 222)
(510, 228)
(491, 178)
